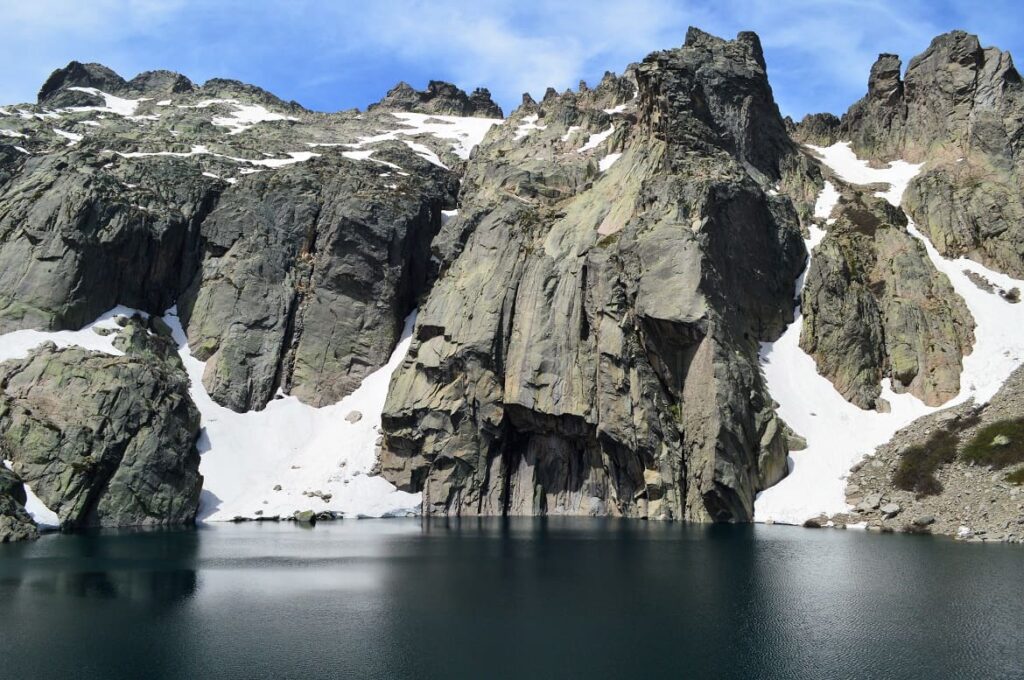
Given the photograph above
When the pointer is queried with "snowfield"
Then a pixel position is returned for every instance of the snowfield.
(245, 455)
(838, 433)
(298, 447)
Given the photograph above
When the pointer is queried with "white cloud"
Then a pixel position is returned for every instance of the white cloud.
(818, 53)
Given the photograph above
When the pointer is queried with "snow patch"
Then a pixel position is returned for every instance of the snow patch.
(296, 446)
(608, 161)
(112, 104)
(12, 133)
(527, 125)
(365, 155)
(465, 133)
(595, 139)
(242, 118)
(42, 515)
(73, 138)
(838, 433)
(569, 132)
(200, 150)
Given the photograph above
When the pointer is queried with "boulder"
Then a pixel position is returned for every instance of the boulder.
(103, 440)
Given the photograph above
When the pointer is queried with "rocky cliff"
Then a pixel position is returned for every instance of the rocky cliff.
(104, 440)
(876, 307)
(591, 345)
(596, 279)
(958, 108)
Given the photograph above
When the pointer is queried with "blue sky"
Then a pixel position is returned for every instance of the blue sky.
(336, 55)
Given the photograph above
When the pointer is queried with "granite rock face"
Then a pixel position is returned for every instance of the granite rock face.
(875, 307)
(308, 273)
(440, 98)
(959, 110)
(104, 440)
(591, 344)
(15, 523)
(293, 247)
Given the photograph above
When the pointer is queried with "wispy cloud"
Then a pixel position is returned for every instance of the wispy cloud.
(341, 54)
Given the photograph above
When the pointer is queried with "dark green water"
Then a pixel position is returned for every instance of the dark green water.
(493, 599)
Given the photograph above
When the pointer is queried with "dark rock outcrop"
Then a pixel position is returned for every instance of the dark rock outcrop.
(819, 129)
(15, 523)
(55, 92)
(308, 274)
(104, 440)
(441, 98)
(76, 240)
(875, 306)
(156, 83)
(591, 345)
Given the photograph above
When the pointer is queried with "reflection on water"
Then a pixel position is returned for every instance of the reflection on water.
(154, 567)
(493, 598)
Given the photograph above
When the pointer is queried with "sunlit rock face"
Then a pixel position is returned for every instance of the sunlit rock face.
(591, 344)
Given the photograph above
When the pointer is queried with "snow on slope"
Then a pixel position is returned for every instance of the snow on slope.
(112, 104)
(595, 139)
(464, 132)
(43, 516)
(299, 447)
(244, 455)
(242, 118)
(608, 161)
(838, 433)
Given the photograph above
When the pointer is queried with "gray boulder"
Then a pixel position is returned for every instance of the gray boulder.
(103, 440)
(15, 523)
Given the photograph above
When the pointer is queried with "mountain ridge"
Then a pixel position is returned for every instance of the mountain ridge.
(594, 274)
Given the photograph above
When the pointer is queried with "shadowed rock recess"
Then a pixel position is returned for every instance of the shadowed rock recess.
(591, 345)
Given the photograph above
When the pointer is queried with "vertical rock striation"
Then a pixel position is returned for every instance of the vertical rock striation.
(591, 344)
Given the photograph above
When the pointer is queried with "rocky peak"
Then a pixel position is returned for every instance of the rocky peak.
(711, 93)
(160, 83)
(440, 98)
(76, 74)
(226, 88)
(884, 82)
(483, 105)
(820, 129)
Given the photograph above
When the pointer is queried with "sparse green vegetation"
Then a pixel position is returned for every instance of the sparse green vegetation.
(1016, 477)
(916, 471)
(999, 445)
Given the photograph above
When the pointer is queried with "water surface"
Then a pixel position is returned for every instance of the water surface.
(501, 599)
